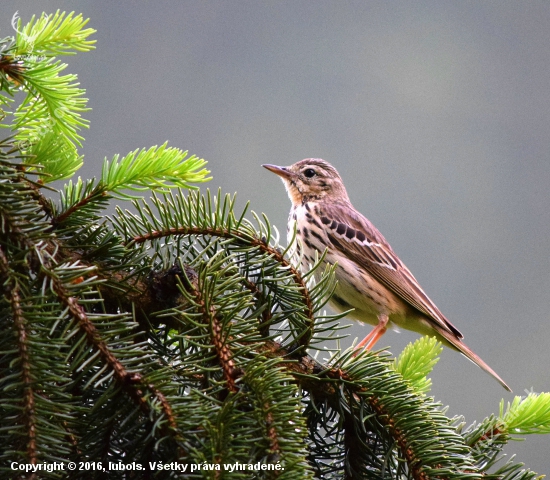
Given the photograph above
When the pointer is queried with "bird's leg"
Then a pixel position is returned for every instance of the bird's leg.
(375, 333)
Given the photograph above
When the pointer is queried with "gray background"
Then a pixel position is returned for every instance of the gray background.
(435, 113)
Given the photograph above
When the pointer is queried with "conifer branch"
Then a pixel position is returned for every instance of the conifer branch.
(247, 240)
(132, 383)
(28, 410)
(55, 34)
(309, 374)
(271, 431)
(210, 318)
(92, 197)
(157, 168)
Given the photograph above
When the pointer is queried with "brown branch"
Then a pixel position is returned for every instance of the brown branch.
(72, 438)
(491, 434)
(223, 353)
(132, 383)
(210, 316)
(11, 289)
(274, 446)
(494, 436)
(254, 242)
(39, 197)
(97, 191)
(399, 436)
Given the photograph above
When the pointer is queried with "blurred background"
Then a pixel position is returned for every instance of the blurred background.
(436, 114)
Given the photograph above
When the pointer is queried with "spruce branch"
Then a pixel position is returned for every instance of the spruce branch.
(529, 415)
(8, 279)
(54, 156)
(191, 215)
(55, 34)
(417, 360)
(158, 168)
(75, 275)
(213, 320)
(132, 383)
(48, 120)
(362, 380)
(53, 104)
(224, 233)
(524, 415)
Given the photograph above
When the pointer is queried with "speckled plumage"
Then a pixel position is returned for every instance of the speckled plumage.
(371, 278)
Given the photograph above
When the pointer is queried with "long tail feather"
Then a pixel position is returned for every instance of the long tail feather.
(465, 350)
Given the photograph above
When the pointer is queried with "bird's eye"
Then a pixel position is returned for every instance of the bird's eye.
(309, 172)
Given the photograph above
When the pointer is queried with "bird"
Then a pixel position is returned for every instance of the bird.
(372, 281)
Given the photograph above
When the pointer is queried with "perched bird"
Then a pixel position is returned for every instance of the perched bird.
(371, 278)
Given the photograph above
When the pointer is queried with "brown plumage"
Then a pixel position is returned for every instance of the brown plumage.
(371, 278)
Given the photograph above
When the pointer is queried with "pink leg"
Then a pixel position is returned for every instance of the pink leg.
(370, 340)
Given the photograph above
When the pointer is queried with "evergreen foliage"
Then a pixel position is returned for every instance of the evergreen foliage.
(181, 332)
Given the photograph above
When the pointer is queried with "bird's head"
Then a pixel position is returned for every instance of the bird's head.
(311, 179)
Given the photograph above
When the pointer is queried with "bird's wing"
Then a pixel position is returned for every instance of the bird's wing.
(358, 239)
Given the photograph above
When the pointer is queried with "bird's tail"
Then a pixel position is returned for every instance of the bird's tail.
(465, 350)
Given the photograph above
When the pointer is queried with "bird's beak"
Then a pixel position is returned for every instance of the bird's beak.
(283, 172)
